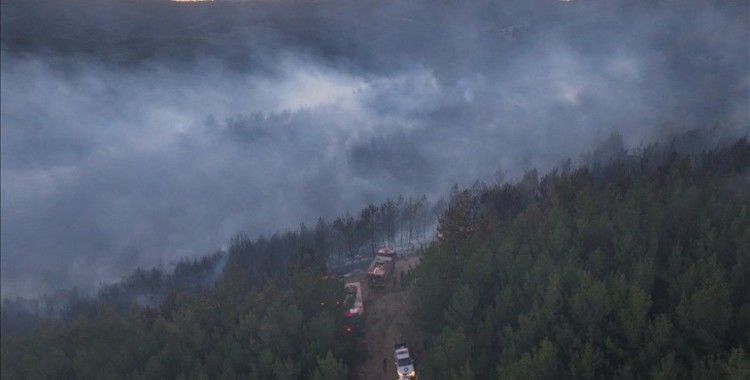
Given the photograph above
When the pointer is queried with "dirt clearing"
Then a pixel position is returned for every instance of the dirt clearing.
(386, 322)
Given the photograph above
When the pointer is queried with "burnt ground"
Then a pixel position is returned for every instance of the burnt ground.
(386, 322)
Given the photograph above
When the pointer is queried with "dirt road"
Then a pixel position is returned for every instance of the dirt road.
(386, 323)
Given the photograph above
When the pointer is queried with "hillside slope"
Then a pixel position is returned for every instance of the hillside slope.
(638, 267)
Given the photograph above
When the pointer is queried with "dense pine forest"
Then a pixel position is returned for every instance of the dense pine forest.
(266, 308)
(637, 267)
(633, 265)
(242, 326)
(374, 189)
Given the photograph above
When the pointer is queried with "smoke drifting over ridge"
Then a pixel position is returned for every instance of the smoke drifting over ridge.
(135, 133)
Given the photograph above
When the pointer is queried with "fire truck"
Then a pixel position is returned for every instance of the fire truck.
(353, 302)
(354, 309)
(381, 267)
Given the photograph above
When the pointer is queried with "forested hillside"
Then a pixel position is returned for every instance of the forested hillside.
(266, 308)
(374, 189)
(243, 326)
(636, 267)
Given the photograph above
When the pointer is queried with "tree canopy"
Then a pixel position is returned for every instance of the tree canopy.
(637, 267)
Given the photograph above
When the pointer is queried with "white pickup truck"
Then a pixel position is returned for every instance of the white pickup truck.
(404, 362)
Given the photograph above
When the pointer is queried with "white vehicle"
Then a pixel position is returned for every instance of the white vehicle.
(404, 362)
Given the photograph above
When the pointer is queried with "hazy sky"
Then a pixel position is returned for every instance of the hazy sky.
(140, 132)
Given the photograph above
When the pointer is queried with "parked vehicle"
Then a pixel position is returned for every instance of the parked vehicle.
(381, 267)
(380, 270)
(353, 302)
(404, 362)
(354, 313)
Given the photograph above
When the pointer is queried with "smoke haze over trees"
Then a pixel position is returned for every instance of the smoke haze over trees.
(632, 265)
(136, 133)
